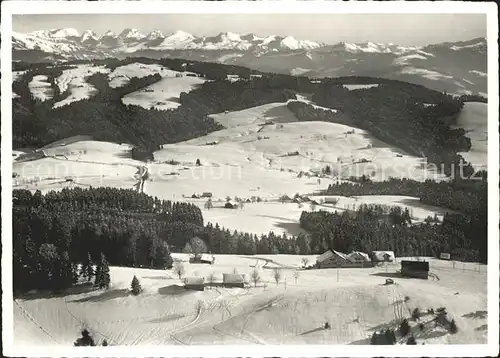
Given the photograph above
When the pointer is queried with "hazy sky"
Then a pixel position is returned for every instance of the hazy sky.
(404, 29)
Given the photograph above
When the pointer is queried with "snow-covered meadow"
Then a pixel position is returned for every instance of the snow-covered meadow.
(40, 88)
(165, 94)
(264, 153)
(283, 218)
(82, 163)
(74, 80)
(354, 301)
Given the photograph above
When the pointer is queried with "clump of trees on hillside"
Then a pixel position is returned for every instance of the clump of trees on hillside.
(461, 195)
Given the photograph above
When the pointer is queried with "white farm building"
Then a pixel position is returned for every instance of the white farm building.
(336, 259)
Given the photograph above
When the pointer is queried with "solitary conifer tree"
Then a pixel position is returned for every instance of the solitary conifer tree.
(102, 277)
(88, 268)
(404, 328)
(85, 340)
(411, 341)
(453, 327)
(135, 286)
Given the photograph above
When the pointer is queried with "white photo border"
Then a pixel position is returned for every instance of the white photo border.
(9, 8)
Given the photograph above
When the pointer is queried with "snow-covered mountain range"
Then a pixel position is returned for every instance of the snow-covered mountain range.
(63, 41)
(458, 67)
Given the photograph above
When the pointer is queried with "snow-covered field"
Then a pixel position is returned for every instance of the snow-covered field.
(122, 75)
(40, 88)
(474, 119)
(248, 159)
(74, 79)
(16, 75)
(248, 144)
(263, 217)
(276, 112)
(354, 301)
(357, 87)
(83, 163)
(162, 95)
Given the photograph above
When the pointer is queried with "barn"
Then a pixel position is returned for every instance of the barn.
(415, 269)
(202, 259)
(206, 194)
(445, 256)
(359, 259)
(383, 256)
(231, 205)
(332, 259)
(233, 280)
(331, 200)
(194, 283)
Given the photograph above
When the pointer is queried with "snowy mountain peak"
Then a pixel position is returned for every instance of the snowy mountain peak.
(251, 37)
(64, 33)
(232, 36)
(176, 40)
(108, 33)
(154, 35)
(267, 40)
(131, 35)
(290, 42)
(181, 36)
(88, 36)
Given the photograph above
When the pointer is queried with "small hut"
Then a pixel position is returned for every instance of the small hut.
(445, 256)
(194, 283)
(202, 259)
(383, 256)
(233, 280)
(415, 269)
(231, 204)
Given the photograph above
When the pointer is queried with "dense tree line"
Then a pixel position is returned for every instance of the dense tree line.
(473, 98)
(52, 233)
(55, 232)
(469, 197)
(373, 228)
(460, 195)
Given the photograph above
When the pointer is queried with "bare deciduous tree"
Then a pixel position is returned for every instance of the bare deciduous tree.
(305, 261)
(296, 276)
(179, 269)
(209, 205)
(277, 275)
(211, 278)
(255, 277)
